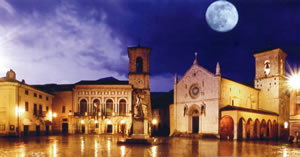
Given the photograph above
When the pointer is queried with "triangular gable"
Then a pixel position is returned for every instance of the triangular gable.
(197, 67)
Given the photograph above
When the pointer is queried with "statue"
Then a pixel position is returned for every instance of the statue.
(139, 109)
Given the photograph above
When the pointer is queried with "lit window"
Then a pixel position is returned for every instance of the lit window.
(2, 127)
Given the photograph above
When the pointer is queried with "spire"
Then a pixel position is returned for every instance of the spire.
(175, 78)
(196, 58)
(218, 69)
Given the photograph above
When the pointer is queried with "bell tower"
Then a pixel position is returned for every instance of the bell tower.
(139, 78)
(270, 79)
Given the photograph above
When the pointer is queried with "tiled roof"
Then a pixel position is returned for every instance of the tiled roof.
(229, 108)
(103, 81)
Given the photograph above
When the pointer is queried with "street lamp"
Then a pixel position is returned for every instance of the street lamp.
(154, 121)
(294, 78)
(122, 121)
(286, 125)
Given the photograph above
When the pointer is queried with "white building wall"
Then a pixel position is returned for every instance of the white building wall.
(209, 86)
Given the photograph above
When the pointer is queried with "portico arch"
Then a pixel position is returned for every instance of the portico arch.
(275, 129)
(263, 129)
(249, 129)
(269, 130)
(256, 129)
(226, 127)
(241, 129)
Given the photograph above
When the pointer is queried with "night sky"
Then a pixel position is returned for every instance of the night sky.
(48, 41)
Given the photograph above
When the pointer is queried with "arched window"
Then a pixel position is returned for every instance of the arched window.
(122, 107)
(96, 105)
(139, 65)
(83, 106)
(267, 67)
(109, 107)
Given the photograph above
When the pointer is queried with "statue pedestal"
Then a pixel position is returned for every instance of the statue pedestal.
(140, 133)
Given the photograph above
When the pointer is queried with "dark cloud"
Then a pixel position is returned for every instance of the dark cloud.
(173, 29)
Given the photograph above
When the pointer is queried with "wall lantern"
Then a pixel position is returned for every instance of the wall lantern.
(286, 125)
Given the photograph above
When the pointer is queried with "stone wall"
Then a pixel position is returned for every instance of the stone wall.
(237, 94)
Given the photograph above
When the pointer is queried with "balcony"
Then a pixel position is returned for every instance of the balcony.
(85, 113)
(40, 114)
(106, 114)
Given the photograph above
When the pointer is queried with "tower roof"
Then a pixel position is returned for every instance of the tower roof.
(138, 46)
(269, 51)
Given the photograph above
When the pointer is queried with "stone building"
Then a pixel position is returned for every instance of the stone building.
(25, 107)
(294, 121)
(106, 105)
(206, 103)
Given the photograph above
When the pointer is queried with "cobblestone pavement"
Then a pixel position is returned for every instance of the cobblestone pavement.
(106, 146)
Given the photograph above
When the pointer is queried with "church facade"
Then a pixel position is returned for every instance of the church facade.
(206, 103)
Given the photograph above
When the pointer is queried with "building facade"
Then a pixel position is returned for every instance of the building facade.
(208, 104)
(24, 110)
(90, 107)
(294, 121)
(106, 106)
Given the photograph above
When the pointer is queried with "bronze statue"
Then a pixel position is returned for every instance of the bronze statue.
(139, 109)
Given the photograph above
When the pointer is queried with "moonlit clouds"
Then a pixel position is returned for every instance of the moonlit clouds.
(61, 48)
(6, 6)
(64, 45)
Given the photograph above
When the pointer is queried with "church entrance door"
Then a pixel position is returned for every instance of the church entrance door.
(195, 122)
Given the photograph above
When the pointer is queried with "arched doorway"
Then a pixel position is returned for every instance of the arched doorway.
(269, 130)
(275, 130)
(249, 129)
(92, 126)
(122, 127)
(263, 129)
(256, 129)
(242, 129)
(226, 127)
(109, 126)
(83, 106)
(195, 121)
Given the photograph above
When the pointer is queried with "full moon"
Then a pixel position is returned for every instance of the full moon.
(221, 16)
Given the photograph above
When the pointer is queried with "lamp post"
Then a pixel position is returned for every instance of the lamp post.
(154, 123)
(19, 112)
(54, 115)
(122, 127)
